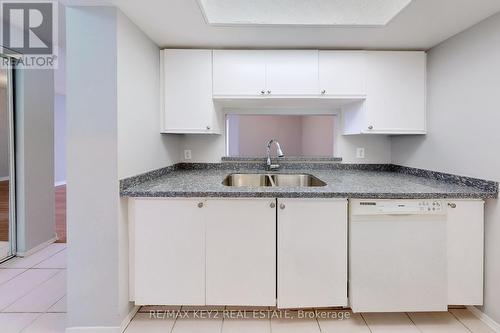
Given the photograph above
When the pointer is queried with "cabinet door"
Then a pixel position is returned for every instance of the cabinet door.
(169, 252)
(465, 231)
(395, 101)
(342, 73)
(239, 73)
(187, 92)
(292, 72)
(241, 252)
(312, 253)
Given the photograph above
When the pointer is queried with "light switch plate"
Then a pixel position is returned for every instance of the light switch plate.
(360, 152)
(187, 154)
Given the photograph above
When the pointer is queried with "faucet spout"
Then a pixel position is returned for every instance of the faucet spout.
(279, 153)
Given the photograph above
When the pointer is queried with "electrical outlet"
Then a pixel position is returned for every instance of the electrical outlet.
(360, 152)
(187, 154)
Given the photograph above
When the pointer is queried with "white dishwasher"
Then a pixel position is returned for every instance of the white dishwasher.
(397, 258)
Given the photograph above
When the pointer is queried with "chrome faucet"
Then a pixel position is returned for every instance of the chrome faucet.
(279, 152)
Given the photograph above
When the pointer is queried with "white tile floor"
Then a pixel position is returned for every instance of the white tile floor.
(454, 321)
(33, 292)
(33, 300)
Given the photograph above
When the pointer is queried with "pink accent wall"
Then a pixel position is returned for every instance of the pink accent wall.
(317, 135)
(298, 135)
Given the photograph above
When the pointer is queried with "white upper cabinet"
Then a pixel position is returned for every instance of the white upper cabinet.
(395, 95)
(188, 106)
(380, 92)
(239, 73)
(396, 90)
(292, 73)
(265, 73)
(342, 73)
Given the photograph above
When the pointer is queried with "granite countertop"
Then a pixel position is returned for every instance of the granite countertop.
(343, 181)
(314, 159)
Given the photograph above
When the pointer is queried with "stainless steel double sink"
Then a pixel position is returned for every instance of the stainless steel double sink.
(272, 180)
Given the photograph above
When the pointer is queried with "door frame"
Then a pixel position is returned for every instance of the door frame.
(12, 159)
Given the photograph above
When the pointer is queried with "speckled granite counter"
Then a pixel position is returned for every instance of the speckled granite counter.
(343, 180)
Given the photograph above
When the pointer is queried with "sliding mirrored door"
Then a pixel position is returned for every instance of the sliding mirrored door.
(7, 166)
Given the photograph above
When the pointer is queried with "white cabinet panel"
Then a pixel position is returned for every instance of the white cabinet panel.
(396, 100)
(292, 72)
(465, 227)
(169, 252)
(187, 92)
(265, 73)
(239, 72)
(241, 252)
(342, 73)
(312, 253)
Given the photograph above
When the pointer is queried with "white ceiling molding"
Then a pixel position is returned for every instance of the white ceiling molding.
(301, 13)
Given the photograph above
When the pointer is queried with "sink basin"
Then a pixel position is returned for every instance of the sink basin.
(247, 179)
(301, 180)
(278, 180)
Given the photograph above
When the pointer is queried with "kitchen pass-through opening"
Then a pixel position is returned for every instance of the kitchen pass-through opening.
(298, 135)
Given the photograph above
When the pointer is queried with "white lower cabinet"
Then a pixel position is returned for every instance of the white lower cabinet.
(241, 252)
(293, 253)
(312, 253)
(169, 251)
(465, 231)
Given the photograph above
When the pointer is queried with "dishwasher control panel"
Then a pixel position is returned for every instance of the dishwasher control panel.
(377, 207)
(430, 206)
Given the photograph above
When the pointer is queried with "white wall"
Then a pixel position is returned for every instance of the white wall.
(60, 102)
(92, 168)
(34, 117)
(141, 146)
(59, 139)
(463, 88)
(4, 135)
(113, 132)
(377, 148)
(60, 71)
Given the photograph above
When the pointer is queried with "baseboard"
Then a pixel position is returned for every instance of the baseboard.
(111, 329)
(56, 184)
(484, 318)
(2, 179)
(36, 248)
(129, 318)
(88, 329)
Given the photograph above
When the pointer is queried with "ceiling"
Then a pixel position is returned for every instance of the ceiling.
(421, 25)
(300, 12)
